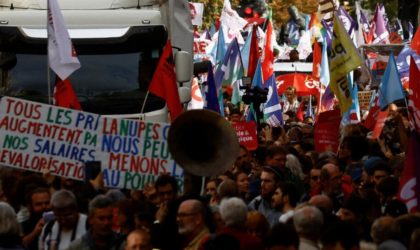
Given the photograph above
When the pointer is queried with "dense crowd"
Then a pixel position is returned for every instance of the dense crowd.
(284, 195)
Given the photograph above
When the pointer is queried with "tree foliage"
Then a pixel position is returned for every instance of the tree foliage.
(213, 8)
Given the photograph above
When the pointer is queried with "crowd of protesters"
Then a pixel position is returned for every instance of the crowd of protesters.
(284, 195)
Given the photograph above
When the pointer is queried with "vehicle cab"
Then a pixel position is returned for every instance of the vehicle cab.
(118, 43)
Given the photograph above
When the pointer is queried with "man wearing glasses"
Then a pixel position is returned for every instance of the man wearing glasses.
(66, 224)
(191, 224)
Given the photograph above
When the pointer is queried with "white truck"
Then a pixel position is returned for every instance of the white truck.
(118, 43)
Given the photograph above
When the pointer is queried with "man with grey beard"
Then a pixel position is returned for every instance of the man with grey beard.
(191, 224)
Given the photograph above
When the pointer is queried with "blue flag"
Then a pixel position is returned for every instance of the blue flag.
(309, 111)
(328, 32)
(273, 113)
(236, 92)
(221, 45)
(250, 115)
(245, 52)
(231, 68)
(207, 34)
(403, 58)
(294, 34)
(325, 67)
(349, 23)
(410, 31)
(355, 108)
(212, 101)
(390, 88)
(258, 78)
(212, 29)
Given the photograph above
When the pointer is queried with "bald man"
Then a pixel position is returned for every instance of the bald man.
(138, 240)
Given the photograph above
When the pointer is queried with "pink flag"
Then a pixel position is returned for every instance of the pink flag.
(381, 34)
(61, 54)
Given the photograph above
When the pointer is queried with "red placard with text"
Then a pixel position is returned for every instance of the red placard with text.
(247, 134)
(327, 131)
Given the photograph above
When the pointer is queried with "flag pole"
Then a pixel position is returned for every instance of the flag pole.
(144, 102)
(48, 58)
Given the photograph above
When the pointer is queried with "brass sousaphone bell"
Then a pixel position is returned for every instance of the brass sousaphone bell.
(203, 143)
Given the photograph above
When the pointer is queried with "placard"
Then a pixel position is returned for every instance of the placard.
(38, 137)
(247, 134)
(134, 153)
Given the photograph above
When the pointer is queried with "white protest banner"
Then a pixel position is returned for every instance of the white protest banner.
(134, 153)
(364, 99)
(39, 137)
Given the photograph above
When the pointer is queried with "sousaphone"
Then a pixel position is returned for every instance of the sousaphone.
(203, 143)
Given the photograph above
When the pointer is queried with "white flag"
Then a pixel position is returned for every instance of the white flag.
(232, 23)
(197, 101)
(61, 54)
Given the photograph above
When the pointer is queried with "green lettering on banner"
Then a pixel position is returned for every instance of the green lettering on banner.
(137, 181)
(15, 142)
(90, 139)
(124, 124)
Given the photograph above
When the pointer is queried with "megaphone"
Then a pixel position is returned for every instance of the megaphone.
(203, 143)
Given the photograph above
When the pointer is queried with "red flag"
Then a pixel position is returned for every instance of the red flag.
(414, 96)
(373, 114)
(369, 38)
(64, 95)
(267, 56)
(300, 111)
(164, 84)
(379, 124)
(317, 58)
(409, 181)
(415, 43)
(254, 54)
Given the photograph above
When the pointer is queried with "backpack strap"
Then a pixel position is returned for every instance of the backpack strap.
(48, 229)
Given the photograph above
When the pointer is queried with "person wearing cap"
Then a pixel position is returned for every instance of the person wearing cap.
(368, 166)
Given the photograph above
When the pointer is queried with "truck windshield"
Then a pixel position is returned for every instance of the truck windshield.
(105, 83)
